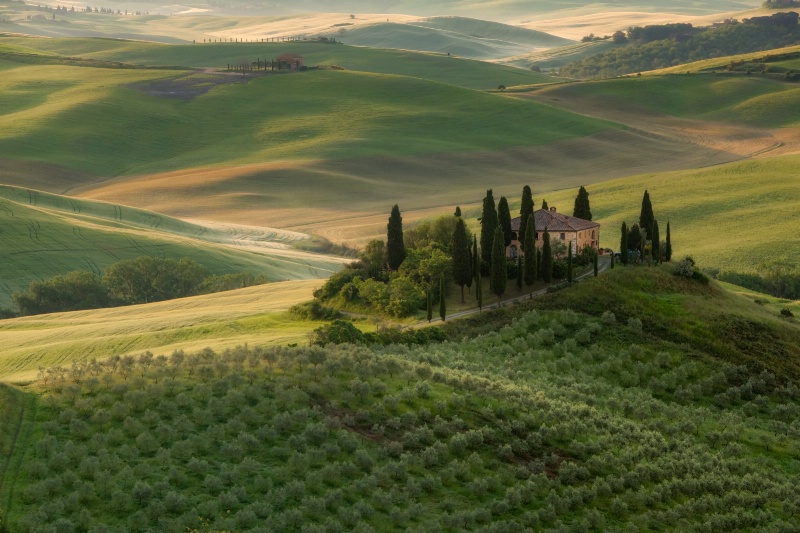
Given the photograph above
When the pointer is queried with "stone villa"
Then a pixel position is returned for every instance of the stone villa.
(575, 232)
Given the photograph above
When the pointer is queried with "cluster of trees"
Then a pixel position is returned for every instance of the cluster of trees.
(135, 281)
(780, 4)
(660, 46)
(412, 269)
(642, 242)
(778, 280)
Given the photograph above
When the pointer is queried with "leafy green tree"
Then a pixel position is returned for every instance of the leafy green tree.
(582, 208)
(461, 258)
(497, 282)
(442, 300)
(488, 225)
(646, 217)
(74, 291)
(530, 255)
(374, 257)
(504, 218)
(636, 238)
(547, 258)
(623, 244)
(668, 247)
(149, 279)
(525, 210)
(395, 248)
(569, 264)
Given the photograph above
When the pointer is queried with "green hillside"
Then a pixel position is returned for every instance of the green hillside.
(434, 67)
(731, 217)
(751, 100)
(45, 235)
(132, 128)
(457, 36)
(552, 420)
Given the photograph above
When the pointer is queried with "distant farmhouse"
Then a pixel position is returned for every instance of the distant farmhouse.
(291, 62)
(575, 232)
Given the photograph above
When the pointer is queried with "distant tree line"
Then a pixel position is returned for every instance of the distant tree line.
(666, 45)
(135, 281)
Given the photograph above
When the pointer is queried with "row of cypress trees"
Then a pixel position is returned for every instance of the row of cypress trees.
(631, 238)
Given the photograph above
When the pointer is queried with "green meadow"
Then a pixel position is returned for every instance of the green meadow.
(750, 100)
(46, 235)
(312, 115)
(435, 67)
(738, 216)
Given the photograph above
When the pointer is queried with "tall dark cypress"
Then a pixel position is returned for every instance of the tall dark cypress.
(646, 217)
(498, 273)
(544, 205)
(430, 305)
(488, 224)
(461, 260)
(623, 244)
(656, 246)
(668, 247)
(479, 291)
(442, 301)
(530, 256)
(582, 209)
(519, 272)
(395, 249)
(504, 218)
(525, 210)
(547, 258)
(476, 260)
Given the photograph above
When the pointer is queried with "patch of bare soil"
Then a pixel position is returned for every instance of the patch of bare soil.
(194, 84)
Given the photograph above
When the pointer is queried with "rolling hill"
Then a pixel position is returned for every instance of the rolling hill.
(44, 235)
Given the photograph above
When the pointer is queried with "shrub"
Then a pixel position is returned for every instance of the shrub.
(313, 310)
(787, 312)
(337, 332)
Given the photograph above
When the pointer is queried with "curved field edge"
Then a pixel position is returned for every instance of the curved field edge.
(254, 315)
(47, 235)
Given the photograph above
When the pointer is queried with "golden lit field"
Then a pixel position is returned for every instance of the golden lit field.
(224, 320)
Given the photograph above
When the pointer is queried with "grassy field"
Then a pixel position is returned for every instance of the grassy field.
(434, 67)
(46, 235)
(555, 57)
(732, 98)
(732, 217)
(254, 315)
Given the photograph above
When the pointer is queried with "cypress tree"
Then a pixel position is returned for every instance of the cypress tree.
(479, 291)
(471, 265)
(544, 205)
(442, 303)
(476, 260)
(519, 272)
(497, 282)
(530, 256)
(525, 210)
(623, 244)
(569, 263)
(461, 261)
(430, 305)
(582, 209)
(656, 245)
(547, 258)
(646, 217)
(612, 261)
(458, 211)
(504, 218)
(539, 261)
(395, 249)
(668, 247)
(488, 225)
(635, 239)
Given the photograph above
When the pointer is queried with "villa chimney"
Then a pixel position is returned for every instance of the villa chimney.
(552, 209)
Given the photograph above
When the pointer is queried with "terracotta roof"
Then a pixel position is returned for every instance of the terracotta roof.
(289, 57)
(555, 221)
